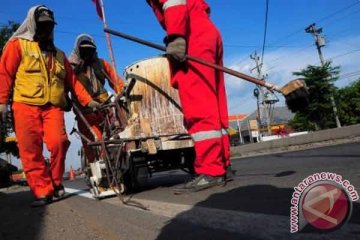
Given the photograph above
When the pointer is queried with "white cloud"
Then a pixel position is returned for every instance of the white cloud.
(279, 66)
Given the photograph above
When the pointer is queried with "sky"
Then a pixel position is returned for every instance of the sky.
(288, 48)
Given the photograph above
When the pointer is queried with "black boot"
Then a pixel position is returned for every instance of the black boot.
(59, 191)
(229, 176)
(201, 182)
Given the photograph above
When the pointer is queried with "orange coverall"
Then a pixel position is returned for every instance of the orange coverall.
(95, 119)
(36, 124)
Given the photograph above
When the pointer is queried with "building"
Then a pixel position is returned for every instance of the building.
(234, 123)
(249, 129)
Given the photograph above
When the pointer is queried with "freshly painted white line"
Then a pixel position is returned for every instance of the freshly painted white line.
(79, 192)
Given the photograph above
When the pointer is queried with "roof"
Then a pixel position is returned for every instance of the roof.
(279, 115)
(235, 117)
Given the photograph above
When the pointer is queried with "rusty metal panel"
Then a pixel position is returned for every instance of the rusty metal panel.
(154, 103)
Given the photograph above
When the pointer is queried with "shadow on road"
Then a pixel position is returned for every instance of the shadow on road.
(165, 179)
(17, 219)
(258, 209)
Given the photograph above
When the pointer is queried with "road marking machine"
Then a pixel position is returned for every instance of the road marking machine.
(143, 132)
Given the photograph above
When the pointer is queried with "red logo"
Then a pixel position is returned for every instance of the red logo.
(326, 206)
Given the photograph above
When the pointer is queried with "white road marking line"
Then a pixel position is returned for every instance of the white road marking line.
(79, 192)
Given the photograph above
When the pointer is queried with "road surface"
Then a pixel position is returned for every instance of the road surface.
(256, 205)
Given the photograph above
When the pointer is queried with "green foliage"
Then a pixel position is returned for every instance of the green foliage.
(319, 114)
(349, 104)
(301, 123)
(6, 32)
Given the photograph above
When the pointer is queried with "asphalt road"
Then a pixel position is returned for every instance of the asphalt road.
(256, 205)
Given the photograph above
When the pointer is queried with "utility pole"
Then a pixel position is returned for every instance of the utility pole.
(267, 103)
(320, 42)
(239, 127)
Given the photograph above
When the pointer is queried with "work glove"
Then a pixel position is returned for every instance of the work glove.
(94, 105)
(3, 111)
(176, 48)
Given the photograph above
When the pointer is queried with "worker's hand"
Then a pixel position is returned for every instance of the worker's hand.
(3, 111)
(176, 48)
(94, 105)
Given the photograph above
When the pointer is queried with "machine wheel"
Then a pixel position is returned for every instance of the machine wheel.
(137, 174)
(189, 160)
(85, 167)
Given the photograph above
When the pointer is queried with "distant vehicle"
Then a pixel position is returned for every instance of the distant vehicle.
(235, 140)
(19, 178)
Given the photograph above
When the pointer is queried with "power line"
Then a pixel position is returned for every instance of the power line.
(322, 19)
(256, 46)
(337, 12)
(265, 31)
(349, 74)
(344, 54)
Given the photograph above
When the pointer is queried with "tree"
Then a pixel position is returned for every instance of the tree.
(349, 103)
(5, 129)
(6, 32)
(319, 114)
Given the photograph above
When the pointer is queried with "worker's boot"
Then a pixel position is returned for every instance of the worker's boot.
(230, 174)
(59, 191)
(201, 182)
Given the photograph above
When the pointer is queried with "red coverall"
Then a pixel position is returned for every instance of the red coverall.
(201, 89)
(35, 124)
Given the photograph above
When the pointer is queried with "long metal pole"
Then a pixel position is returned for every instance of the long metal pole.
(107, 35)
(319, 44)
(332, 100)
(198, 60)
(266, 105)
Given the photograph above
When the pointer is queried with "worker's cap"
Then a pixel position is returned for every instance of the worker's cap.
(87, 44)
(44, 14)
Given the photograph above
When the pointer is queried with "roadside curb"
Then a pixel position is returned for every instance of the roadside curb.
(328, 137)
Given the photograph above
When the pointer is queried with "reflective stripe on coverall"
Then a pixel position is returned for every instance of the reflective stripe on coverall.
(201, 89)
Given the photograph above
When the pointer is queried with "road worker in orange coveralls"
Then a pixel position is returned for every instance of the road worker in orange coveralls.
(38, 75)
(92, 72)
(201, 88)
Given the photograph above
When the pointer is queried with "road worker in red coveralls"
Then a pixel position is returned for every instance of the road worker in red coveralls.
(38, 75)
(92, 72)
(201, 88)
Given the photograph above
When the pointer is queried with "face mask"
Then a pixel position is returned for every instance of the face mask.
(87, 53)
(44, 30)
